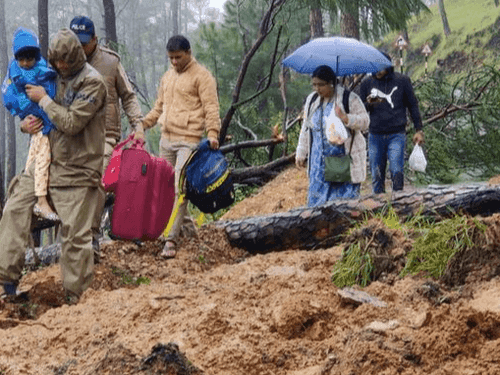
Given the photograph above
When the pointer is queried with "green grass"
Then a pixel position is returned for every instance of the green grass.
(467, 19)
(127, 279)
(435, 243)
(433, 250)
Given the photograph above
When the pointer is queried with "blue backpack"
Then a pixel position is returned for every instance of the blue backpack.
(208, 182)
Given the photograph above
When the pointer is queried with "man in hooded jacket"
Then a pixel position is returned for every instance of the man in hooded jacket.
(77, 146)
(388, 96)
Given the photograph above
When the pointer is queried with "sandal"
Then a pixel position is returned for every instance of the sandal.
(168, 251)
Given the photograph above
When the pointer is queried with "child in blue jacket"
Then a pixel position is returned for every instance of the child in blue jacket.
(29, 67)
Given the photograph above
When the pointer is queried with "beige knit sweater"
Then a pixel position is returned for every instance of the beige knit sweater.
(187, 105)
(358, 122)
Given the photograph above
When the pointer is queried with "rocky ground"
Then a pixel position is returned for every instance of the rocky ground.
(218, 310)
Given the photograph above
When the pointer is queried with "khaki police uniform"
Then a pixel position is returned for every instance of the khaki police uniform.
(78, 112)
(107, 62)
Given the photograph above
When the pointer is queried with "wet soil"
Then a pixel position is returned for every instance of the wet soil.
(218, 310)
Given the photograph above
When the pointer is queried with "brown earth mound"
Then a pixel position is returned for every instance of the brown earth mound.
(218, 310)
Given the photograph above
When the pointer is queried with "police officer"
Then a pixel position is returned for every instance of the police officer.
(77, 146)
(107, 62)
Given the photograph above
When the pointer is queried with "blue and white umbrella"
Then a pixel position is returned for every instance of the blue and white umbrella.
(346, 56)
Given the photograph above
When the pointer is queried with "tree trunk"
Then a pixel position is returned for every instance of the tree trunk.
(175, 17)
(444, 18)
(349, 24)
(322, 226)
(4, 61)
(259, 175)
(43, 26)
(47, 255)
(10, 130)
(142, 63)
(110, 24)
(316, 21)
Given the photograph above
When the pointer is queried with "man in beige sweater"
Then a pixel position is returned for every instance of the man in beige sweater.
(186, 107)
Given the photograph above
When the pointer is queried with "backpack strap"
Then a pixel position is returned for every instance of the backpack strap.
(313, 99)
(345, 100)
(345, 103)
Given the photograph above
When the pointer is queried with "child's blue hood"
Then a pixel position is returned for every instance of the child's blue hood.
(24, 39)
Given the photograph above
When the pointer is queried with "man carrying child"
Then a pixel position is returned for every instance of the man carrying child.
(77, 143)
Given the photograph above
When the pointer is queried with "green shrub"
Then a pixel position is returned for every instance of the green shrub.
(433, 250)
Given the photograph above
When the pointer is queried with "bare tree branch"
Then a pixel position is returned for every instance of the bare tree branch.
(264, 31)
(145, 100)
(450, 108)
(247, 130)
(249, 144)
(269, 77)
(123, 8)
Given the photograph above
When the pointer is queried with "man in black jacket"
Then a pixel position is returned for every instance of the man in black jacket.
(387, 96)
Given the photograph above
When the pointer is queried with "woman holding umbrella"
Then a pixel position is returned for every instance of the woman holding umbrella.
(315, 138)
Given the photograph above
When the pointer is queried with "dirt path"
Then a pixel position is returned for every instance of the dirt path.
(231, 313)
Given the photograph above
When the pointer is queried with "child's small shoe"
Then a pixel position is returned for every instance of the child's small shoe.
(52, 216)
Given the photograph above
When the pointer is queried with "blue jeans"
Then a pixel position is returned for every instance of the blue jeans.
(383, 148)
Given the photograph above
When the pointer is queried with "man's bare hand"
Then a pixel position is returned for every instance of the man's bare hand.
(418, 138)
(35, 93)
(31, 124)
(139, 132)
(214, 143)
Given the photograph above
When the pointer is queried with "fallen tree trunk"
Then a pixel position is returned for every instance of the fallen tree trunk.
(322, 226)
(42, 255)
(260, 174)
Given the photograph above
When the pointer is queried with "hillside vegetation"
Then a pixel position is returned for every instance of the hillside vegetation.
(474, 38)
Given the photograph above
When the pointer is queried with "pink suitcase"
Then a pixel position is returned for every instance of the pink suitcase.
(145, 195)
(110, 177)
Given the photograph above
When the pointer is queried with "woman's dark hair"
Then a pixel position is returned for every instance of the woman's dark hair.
(178, 43)
(28, 53)
(325, 73)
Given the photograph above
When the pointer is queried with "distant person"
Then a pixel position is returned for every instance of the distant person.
(29, 67)
(388, 95)
(314, 145)
(186, 106)
(77, 143)
(107, 62)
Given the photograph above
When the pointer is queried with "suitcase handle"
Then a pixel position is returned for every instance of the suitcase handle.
(136, 143)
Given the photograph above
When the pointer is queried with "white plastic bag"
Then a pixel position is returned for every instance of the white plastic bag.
(336, 132)
(417, 159)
